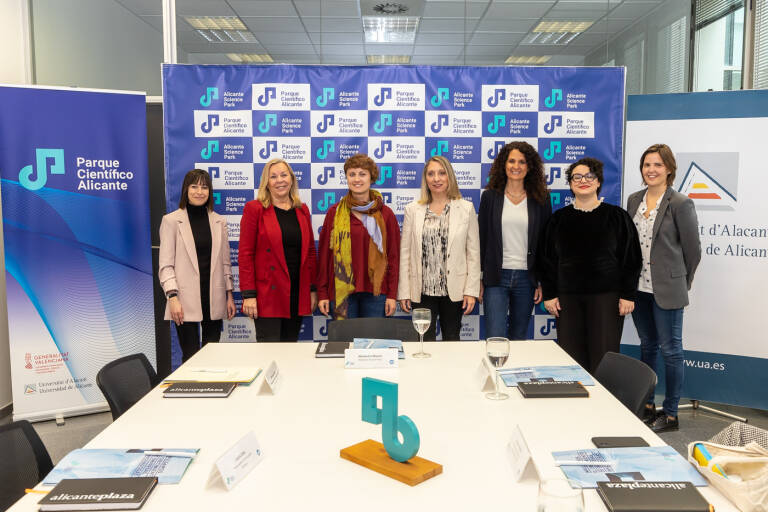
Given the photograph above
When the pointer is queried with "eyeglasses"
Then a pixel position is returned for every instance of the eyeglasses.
(589, 177)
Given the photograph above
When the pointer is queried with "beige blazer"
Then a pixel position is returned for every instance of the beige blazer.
(178, 269)
(463, 265)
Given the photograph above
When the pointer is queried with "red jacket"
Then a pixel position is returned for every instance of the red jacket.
(360, 240)
(262, 262)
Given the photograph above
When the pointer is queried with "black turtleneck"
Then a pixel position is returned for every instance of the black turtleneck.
(201, 232)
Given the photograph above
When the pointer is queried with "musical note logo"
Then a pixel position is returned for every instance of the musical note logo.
(384, 121)
(207, 126)
(269, 148)
(386, 145)
(211, 93)
(386, 197)
(548, 328)
(553, 123)
(384, 94)
(208, 151)
(42, 168)
(328, 199)
(214, 172)
(270, 93)
(329, 93)
(440, 149)
(328, 120)
(269, 121)
(328, 172)
(498, 95)
(498, 121)
(553, 149)
(554, 172)
(554, 96)
(329, 146)
(442, 94)
(386, 172)
(442, 120)
(217, 198)
(389, 420)
(497, 147)
(554, 199)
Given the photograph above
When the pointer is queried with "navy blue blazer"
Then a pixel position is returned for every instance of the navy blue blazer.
(491, 245)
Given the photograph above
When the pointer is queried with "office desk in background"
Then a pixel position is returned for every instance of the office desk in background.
(317, 410)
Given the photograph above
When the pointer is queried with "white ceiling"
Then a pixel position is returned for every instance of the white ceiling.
(472, 32)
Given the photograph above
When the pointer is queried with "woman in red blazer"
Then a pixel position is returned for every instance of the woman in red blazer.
(277, 256)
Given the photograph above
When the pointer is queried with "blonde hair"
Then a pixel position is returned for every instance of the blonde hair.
(265, 197)
(453, 186)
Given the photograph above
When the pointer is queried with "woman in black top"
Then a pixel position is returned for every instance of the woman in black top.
(590, 262)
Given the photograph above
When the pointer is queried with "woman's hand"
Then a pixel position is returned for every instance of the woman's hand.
(312, 302)
(405, 305)
(553, 306)
(324, 306)
(250, 309)
(177, 313)
(390, 306)
(468, 304)
(537, 295)
(231, 309)
(626, 307)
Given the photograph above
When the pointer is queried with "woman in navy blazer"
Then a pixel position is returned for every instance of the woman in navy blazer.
(277, 256)
(669, 239)
(514, 208)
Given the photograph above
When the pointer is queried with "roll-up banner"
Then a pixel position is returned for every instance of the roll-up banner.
(78, 260)
(718, 140)
(230, 120)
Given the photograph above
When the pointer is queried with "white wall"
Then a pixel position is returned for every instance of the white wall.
(95, 44)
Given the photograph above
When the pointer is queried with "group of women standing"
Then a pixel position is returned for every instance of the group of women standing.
(590, 263)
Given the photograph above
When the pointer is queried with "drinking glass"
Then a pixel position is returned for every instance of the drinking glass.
(422, 318)
(498, 352)
(557, 495)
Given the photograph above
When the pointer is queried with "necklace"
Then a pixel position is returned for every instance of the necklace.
(515, 198)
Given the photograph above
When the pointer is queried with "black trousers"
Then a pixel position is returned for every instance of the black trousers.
(449, 314)
(589, 326)
(189, 336)
(278, 329)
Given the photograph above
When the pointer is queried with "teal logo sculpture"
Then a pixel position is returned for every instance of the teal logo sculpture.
(387, 417)
(46, 160)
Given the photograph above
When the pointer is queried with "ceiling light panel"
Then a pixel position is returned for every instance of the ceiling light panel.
(529, 60)
(388, 59)
(250, 58)
(562, 26)
(391, 29)
(221, 29)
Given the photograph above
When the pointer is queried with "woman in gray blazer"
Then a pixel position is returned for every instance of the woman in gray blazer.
(669, 239)
(439, 252)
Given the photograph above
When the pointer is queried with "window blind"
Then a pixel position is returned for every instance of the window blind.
(760, 75)
(709, 11)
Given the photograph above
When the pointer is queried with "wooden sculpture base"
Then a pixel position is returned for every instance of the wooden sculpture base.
(372, 455)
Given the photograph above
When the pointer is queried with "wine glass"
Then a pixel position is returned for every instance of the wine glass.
(498, 352)
(557, 495)
(422, 318)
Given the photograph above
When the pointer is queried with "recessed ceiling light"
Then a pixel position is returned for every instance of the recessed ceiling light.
(555, 32)
(250, 58)
(392, 29)
(388, 59)
(562, 26)
(543, 59)
(221, 29)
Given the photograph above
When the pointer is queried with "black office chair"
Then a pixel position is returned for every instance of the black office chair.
(24, 461)
(382, 328)
(628, 379)
(125, 381)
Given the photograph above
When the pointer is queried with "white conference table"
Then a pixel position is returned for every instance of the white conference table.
(317, 411)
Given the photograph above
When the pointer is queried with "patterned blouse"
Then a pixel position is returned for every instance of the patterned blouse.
(645, 231)
(434, 250)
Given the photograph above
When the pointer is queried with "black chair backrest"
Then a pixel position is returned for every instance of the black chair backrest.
(23, 463)
(125, 381)
(628, 379)
(381, 328)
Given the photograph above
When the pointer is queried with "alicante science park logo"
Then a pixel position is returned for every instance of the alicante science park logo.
(34, 177)
(710, 179)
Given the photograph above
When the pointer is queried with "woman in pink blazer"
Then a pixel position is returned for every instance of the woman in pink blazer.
(194, 266)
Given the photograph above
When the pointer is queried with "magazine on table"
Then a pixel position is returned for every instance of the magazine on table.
(574, 372)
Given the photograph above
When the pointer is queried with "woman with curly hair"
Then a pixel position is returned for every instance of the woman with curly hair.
(514, 208)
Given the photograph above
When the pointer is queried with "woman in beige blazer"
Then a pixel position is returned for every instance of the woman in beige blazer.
(194, 265)
(440, 252)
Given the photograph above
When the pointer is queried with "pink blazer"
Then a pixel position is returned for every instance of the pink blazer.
(178, 269)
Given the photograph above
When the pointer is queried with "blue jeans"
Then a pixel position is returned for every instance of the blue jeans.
(511, 299)
(661, 329)
(365, 304)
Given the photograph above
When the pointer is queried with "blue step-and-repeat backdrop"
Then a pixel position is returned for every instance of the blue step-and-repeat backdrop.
(230, 120)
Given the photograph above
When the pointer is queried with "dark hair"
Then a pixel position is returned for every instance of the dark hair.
(595, 167)
(535, 183)
(361, 161)
(194, 177)
(667, 156)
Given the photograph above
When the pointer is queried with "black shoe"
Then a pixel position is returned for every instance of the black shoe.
(664, 424)
(649, 415)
